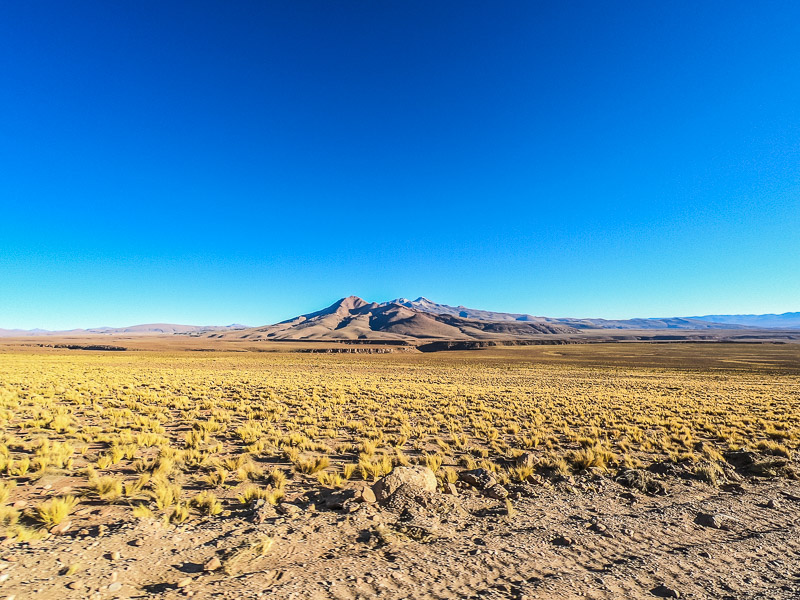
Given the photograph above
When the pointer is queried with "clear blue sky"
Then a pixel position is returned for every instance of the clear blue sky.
(217, 162)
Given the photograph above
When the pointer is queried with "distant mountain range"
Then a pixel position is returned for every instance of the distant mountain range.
(402, 320)
(147, 329)
(424, 305)
(354, 318)
(789, 320)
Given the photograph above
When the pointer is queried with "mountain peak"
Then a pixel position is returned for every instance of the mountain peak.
(350, 302)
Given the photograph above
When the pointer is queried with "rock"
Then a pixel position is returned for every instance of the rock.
(365, 494)
(598, 527)
(662, 591)
(213, 564)
(285, 508)
(19, 504)
(115, 587)
(478, 478)
(415, 477)
(715, 521)
(115, 555)
(527, 460)
(185, 582)
(61, 528)
(450, 488)
(138, 542)
(76, 585)
(419, 529)
(263, 513)
(772, 503)
(563, 541)
(351, 506)
(497, 491)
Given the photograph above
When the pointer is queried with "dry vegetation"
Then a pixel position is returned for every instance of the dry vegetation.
(185, 436)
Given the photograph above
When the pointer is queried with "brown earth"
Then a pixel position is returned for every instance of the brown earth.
(589, 538)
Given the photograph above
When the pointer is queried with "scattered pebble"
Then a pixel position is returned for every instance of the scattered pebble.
(212, 565)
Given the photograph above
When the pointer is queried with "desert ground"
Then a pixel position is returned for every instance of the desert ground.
(214, 469)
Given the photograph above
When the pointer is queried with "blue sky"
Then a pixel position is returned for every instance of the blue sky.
(218, 162)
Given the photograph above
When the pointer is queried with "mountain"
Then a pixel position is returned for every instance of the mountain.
(422, 304)
(354, 318)
(146, 329)
(789, 320)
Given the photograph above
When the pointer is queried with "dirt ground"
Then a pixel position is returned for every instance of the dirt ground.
(588, 538)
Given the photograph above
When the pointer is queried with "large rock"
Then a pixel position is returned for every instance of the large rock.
(413, 477)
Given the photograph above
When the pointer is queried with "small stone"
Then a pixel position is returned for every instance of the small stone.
(61, 528)
(212, 565)
(478, 478)
(286, 508)
(75, 585)
(563, 541)
(716, 521)
(19, 504)
(365, 494)
(497, 491)
(527, 460)
(263, 513)
(116, 555)
(115, 587)
(599, 528)
(662, 591)
(138, 542)
(185, 582)
(772, 503)
(450, 488)
(114, 576)
(83, 532)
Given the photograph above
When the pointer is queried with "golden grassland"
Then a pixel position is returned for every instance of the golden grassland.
(179, 435)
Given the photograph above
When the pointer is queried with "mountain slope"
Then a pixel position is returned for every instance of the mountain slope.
(422, 304)
(353, 318)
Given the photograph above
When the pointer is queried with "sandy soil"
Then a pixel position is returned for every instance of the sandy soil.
(589, 537)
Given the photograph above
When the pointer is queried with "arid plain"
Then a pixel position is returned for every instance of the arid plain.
(211, 468)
